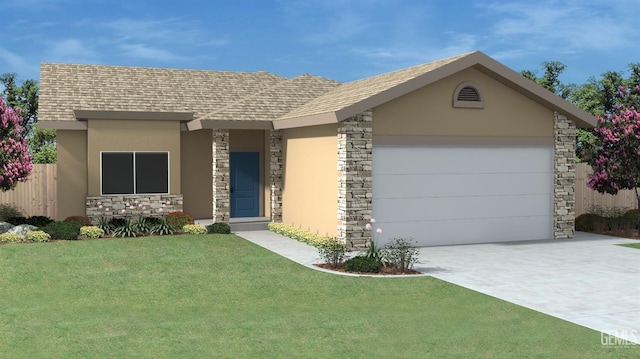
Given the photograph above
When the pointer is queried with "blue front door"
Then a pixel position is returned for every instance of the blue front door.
(244, 170)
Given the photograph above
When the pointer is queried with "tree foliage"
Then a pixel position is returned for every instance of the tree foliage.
(24, 96)
(15, 161)
(615, 153)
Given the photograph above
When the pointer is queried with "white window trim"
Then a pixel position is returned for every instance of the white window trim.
(134, 173)
(467, 104)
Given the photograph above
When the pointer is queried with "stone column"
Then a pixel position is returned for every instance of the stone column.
(355, 145)
(564, 176)
(275, 174)
(220, 152)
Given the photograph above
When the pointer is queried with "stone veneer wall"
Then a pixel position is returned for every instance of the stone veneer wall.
(275, 174)
(564, 177)
(115, 204)
(220, 164)
(355, 145)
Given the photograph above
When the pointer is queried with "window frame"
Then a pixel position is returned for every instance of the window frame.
(135, 190)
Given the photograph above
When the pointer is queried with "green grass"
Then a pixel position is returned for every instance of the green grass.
(631, 245)
(221, 296)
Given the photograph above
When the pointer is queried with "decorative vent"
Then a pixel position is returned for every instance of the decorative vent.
(467, 95)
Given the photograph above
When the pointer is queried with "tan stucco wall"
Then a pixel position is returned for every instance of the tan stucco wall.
(428, 111)
(123, 135)
(310, 179)
(196, 164)
(71, 173)
(254, 141)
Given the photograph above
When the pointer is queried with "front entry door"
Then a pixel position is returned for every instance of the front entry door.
(244, 170)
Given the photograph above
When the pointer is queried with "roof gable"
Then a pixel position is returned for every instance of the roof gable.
(360, 95)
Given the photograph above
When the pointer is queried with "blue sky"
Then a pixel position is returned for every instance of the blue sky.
(340, 39)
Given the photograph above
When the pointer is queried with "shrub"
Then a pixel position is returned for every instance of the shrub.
(38, 236)
(193, 229)
(63, 230)
(400, 253)
(10, 238)
(128, 229)
(39, 221)
(18, 220)
(162, 228)
(362, 264)
(7, 211)
(153, 220)
(91, 231)
(219, 227)
(117, 222)
(80, 219)
(179, 219)
(586, 222)
(333, 251)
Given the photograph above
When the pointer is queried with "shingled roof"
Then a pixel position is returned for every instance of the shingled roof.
(66, 88)
(260, 100)
(270, 103)
(361, 95)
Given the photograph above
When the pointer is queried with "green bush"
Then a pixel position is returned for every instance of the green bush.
(219, 227)
(177, 220)
(38, 236)
(400, 253)
(10, 238)
(586, 222)
(162, 228)
(80, 219)
(128, 229)
(193, 229)
(91, 231)
(39, 221)
(18, 220)
(362, 264)
(63, 230)
(7, 211)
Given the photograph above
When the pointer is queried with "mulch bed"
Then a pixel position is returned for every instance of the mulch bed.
(386, 270)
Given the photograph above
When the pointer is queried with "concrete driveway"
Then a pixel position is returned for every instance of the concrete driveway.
(587, 280)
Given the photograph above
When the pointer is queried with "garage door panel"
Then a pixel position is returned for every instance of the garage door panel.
(455, 195)
(439, 185)
(447, 208)
(428, 160)
(465, 231)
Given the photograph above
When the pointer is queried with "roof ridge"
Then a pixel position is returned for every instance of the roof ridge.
(156, 68)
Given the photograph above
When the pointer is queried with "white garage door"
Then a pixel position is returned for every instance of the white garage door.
(459, 195)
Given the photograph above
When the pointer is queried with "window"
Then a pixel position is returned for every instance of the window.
(467, 95)
(134, 172)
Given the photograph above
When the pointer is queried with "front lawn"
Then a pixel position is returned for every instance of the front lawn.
(221, 296)
(631, 245)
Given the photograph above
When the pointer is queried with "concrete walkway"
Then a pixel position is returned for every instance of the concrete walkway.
(588, 280)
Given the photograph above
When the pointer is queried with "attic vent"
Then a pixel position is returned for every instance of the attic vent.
(467, 95)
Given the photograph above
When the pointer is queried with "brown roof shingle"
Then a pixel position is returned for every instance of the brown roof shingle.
(67, 87)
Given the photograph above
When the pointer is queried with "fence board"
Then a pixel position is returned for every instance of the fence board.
(586, 198)
(38, 195)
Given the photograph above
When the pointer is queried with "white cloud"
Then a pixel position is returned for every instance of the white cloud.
(161, 31)
(148, 53)
(567, 25)
(72, 50)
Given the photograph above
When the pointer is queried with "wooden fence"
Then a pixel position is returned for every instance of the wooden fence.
(38, 195)
(586, 198)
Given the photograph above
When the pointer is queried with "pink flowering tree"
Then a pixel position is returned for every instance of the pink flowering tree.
(615, 155)
(15, 161)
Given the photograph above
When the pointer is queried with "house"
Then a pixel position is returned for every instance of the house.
(460, 150)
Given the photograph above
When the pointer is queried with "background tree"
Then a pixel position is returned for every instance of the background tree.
(15, 161)
(24, 96)
(615, 153)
